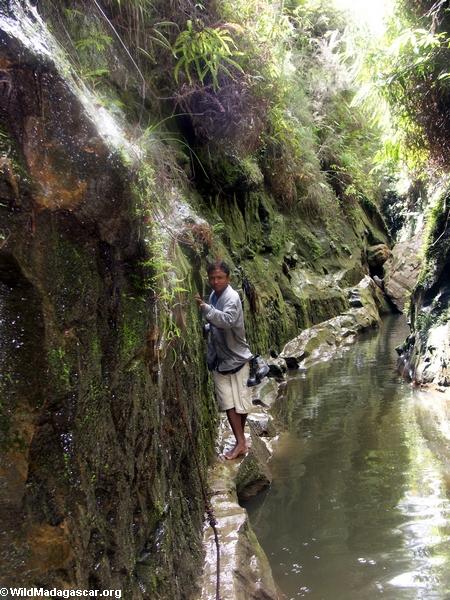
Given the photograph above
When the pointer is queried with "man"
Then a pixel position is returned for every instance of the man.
(228, 352)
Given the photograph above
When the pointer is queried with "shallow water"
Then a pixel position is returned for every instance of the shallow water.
(358, 508)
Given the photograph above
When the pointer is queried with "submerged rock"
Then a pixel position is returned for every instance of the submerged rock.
(261, 425)
(253, 474)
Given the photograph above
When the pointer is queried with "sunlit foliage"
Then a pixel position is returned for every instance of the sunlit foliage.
(411, 71)
(257, 80)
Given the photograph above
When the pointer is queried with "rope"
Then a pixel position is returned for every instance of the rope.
(116, 33)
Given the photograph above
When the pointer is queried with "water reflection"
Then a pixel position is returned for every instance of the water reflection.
(358, 508)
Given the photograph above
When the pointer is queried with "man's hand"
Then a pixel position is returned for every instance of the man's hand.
(199, 300)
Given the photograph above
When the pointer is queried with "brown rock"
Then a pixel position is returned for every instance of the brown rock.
(50, 548)
(402, 270)
(377, 255)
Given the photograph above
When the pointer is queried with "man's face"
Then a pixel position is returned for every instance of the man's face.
(218, 280)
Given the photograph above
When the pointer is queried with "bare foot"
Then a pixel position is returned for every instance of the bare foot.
(236, 451)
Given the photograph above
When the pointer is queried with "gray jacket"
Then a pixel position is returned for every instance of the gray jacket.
(227, 346)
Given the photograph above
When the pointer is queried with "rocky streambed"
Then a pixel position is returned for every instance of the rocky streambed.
(244, 569)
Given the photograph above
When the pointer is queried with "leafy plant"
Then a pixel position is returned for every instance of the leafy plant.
(166, 286)
(411, 72)
(97, 42)
(204, 53)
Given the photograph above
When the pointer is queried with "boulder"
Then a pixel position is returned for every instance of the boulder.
(277, 368)
(293, 362)
(253, 474)
(371, 296)
(377, 255)
(402, 270)
(321, 341)
(433, 360)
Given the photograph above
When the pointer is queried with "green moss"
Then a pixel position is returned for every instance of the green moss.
(85, 40)
(321, 309)
(97, 393)
(424, 322)
(59, 368)
(96, 351)
(437, 241)
(74, 279)
(6, 142)
(310, 245)
(233, 173)
(131, 340)
(257, 236)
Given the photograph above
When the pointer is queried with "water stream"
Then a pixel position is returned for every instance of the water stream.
(359, 506)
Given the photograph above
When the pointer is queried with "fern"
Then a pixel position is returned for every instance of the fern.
(204, 53)
(97, 41)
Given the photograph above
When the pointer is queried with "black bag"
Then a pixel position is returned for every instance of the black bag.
(258, 370)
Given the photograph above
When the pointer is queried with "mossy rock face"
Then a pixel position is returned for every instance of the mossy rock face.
(100, 430)
(95, 433)
(231, 173)
(427, 357)
(322, 340)
(112, 410)
(268, 250)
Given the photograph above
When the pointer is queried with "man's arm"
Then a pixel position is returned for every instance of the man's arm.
(225, 319)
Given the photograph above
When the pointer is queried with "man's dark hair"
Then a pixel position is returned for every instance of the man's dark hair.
(218, 265)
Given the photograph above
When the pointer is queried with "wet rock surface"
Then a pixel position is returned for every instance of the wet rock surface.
(244, 569)
(427, 360)
(322, 340)
(261, 424)
(426, 353)
(253, 473)
(98, 482)
(245, 573)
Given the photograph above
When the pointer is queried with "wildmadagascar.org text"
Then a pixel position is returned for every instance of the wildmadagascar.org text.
(54, 593)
